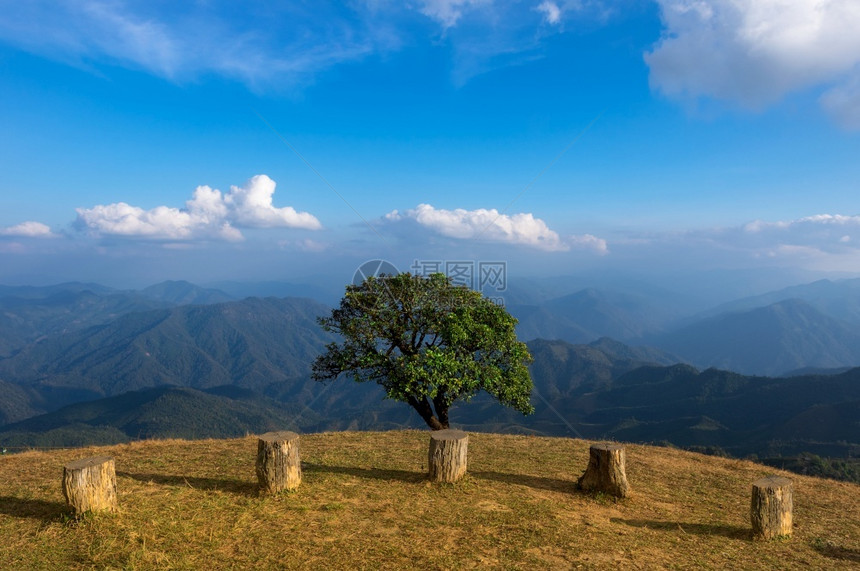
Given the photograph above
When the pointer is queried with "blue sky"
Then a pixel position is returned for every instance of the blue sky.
(206, 141)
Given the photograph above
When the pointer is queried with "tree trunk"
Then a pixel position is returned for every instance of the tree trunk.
(279, 466)
(422, 406)
(606, 471)
(771, 507)
(441, 406)
(448, 455)
(90, 484)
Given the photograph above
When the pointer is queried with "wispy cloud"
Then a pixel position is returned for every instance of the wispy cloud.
(827, 231)
(28, 229)
(488, 225)
(754, 52)
(259, 44)
(272, 45)
(449, 12)
(208, 215)
(821, 242)
(551, 12)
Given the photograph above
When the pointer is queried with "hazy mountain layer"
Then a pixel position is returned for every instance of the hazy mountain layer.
(771, 340)
(250, 343)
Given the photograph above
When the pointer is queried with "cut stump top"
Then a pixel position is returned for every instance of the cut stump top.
(608, 446)
(279, 436)
(88, 462)
(448, 434)
(772, 482)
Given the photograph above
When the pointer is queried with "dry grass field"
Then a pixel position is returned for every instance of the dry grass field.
(365, 503)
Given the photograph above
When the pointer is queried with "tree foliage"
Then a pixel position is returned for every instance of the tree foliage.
(428, 343)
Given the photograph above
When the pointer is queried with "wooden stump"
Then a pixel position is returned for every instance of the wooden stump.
(448, 455)
(771, 507)
(279, 466)
(89, 484)
(606, 471)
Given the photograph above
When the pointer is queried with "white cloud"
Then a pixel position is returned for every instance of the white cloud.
(589, 241)
(491, 226)
(551, 12)
(208, 215)
(448, 12)
(818, 242)
(251, 206)
(815, 222)
(28, 229)
(753, 52)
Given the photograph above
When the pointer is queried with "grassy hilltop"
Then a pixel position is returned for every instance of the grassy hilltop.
(365, 503)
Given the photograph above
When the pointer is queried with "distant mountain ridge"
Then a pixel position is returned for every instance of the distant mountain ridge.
(771, 340)
(29, 317)
(839, 299)
(160, 412)
(813, 332)
(249, 343)
(29, 313)
(590, 314)
(816, 331)
(185, 293)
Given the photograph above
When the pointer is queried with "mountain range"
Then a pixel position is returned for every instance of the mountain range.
(87, 363)
(250, 343)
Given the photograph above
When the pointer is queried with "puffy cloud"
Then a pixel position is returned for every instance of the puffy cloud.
(28, 229)
(590, 242)
(753, 52)
(252, 207)
(209, 214)
(492, 226)
(551, 12)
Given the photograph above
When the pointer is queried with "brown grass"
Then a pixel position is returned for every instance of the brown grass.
(365, 504)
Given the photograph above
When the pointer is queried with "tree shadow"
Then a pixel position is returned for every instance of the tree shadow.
(211, 484)
(837, 552)
(32, 508)
(372, 473)
(728, 531)
(537, 482)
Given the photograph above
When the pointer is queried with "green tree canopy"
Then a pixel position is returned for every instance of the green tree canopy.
(428, 343)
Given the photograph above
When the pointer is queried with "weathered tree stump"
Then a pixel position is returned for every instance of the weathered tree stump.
(89, 484)
(771, 507)
(279, 466)
(606, 471)
(448, 455)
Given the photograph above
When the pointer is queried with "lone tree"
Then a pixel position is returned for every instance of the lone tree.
(428, 343)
